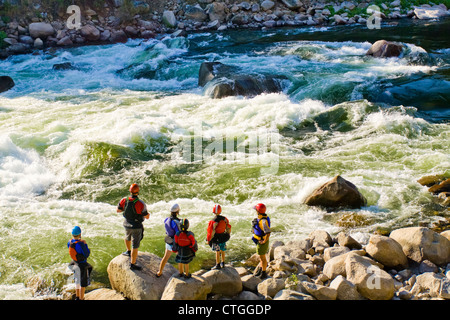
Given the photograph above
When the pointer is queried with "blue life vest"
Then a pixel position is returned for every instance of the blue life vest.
(258, 233)
(171, 226)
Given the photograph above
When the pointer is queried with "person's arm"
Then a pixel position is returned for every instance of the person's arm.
(120, 207)
(85, 249)
(265, 227)
(144, 211)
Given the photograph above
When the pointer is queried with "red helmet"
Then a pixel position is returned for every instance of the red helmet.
(217, 209)
(260, 207)
(134, 188)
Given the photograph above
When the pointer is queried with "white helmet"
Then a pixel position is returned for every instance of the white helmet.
(175, 208)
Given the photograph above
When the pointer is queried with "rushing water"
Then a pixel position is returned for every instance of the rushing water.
(72, 141)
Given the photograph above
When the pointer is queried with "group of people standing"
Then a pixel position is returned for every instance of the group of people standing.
(178, 239)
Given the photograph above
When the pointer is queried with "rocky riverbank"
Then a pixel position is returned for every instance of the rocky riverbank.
(25, 28)
(410, 264)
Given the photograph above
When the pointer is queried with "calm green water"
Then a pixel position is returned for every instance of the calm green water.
(73, 141)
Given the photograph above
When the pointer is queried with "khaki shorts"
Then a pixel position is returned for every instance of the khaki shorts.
(262, 249)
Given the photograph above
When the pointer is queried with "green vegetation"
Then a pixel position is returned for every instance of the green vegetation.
(3, 44)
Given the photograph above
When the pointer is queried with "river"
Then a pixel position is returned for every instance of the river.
(72, 141)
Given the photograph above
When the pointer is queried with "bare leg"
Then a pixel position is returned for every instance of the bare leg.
(164, 260)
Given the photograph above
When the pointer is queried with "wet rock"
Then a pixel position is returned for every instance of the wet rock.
(337, 193)
(223, 81)
(385, 49)
(444, 186)
(6, 83)
(63, 66)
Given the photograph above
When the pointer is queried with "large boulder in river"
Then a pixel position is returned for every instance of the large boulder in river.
(142, 284)
(6, 83)
(419, 244)
(221, 81)
(385, 49)
(337, 193)
(41, 30)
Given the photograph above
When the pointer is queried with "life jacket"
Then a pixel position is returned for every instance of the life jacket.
(184, 241)
(129, 212)
(168, 225)
(219, 235)
(76, 256)
(258, 233)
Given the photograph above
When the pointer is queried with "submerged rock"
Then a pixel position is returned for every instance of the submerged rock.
(222, 81)
(385, 49)
(337, 193)
(6, 83)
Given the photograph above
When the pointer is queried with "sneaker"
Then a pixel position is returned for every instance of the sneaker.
(127, 253)
(263, 275)
(187, 276)
(222, 264)
(135, 267)
(257, 272)
(217, 267)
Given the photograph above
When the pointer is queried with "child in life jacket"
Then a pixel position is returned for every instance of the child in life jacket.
(217, 235)
(261, 234)
(79, 252)
(185, 246)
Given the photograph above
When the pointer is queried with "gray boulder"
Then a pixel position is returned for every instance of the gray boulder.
(139, 285)
(41, 30)
(419, 243)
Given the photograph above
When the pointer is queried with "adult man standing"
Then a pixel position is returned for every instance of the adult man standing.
(134, 212)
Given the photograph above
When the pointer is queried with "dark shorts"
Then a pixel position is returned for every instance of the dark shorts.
(82, 273)
(135, 236)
